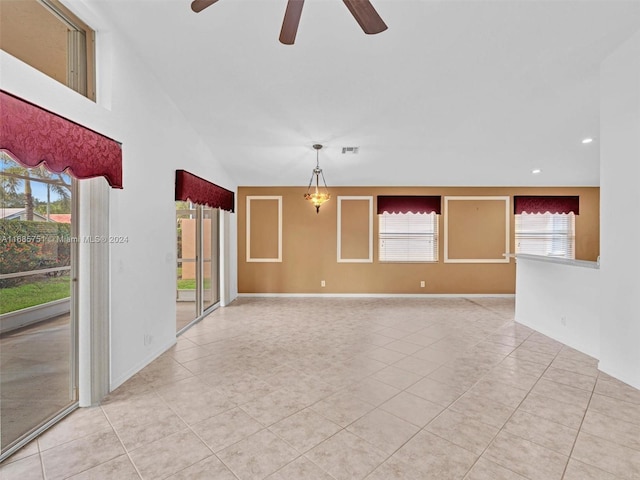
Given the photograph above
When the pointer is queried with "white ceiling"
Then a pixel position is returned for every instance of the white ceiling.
(453, 93)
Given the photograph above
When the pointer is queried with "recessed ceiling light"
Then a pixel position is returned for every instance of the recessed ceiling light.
(536, 171)
(587, 140)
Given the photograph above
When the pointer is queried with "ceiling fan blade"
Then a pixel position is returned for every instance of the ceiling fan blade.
(366, 16)
(291, 20)
(199, 5)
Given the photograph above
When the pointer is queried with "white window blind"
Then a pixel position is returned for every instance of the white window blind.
(408, 237)
(547, 234)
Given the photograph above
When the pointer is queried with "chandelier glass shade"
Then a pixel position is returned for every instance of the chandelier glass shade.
(319, 195)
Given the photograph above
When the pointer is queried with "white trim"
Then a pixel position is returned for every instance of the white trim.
(248, 230)
(224, 256)
(376, 295)
(339, 230)
(505, 255)
(94, 293)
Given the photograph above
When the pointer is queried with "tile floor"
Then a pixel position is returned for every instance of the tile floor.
(347, 389)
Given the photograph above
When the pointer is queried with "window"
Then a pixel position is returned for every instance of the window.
(408, 237)
(47, 36)
(547, 234)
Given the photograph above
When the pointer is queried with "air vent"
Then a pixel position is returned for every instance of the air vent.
(351, 150)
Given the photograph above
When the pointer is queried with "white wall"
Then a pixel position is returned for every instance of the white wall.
(561, 301)
(619, 210)
(133, 109)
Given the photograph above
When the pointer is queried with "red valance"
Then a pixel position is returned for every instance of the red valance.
(202, 192)
(32, 135)
(409, 204)
(546, 203)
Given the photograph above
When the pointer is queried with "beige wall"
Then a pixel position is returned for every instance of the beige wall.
(309, 243)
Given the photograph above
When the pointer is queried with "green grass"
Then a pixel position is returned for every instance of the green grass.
(55, 288)
(190, 284)
(187, 284)
(34, 293)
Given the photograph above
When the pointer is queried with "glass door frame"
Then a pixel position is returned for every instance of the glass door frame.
(74, 403)
(201, 311)
(213, 260)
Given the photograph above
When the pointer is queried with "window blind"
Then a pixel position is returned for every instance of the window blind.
(546, 234)
(408, 237)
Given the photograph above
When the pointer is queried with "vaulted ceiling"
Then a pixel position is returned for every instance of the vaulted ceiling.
(455, 92)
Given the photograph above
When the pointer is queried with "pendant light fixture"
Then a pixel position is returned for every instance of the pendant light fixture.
(318, 197)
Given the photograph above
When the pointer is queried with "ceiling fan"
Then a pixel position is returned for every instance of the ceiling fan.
(362, 11)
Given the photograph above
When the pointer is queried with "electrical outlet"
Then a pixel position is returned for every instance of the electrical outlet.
(421, 283)
(563, 321)
(148, 339)
(322, 283)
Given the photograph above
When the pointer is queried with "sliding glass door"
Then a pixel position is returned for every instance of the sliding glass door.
(198, 279)
(210, 256)
(38, 340)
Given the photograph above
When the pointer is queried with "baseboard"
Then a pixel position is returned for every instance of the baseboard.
(377, 295)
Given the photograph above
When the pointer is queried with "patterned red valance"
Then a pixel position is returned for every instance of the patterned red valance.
(409, 203)
(32, 135)
(546, 203)
(202, 192)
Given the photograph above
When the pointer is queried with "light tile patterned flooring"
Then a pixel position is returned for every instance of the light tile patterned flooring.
(347, 389)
